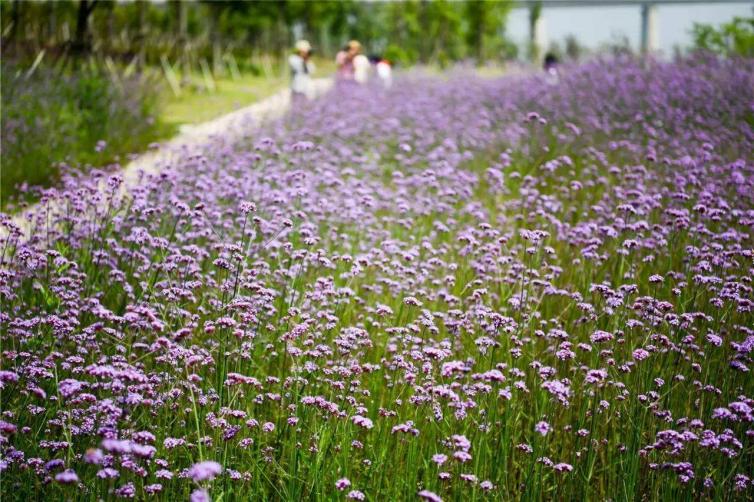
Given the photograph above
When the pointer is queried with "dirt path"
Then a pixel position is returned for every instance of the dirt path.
(233, 126)
(195, 139)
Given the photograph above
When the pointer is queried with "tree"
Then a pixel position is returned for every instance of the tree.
(574, 50)
(733, 38)
(82, 41)
(15, 20)
(535, 12)
(445, 30)
(486, 20)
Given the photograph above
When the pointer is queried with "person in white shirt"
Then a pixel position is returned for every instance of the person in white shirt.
(383, 69)
(301, 70)
(361, 68)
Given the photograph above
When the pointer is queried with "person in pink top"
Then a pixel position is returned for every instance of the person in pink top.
(345, 61)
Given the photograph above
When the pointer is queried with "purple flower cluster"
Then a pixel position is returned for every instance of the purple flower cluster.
(454, 287)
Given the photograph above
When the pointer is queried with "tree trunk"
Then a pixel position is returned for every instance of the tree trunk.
(215, 37)
(141, 36)
(424, 47)
(82, 40)
(52, 24)
(479, 42)
(15, 19)
(181, 26)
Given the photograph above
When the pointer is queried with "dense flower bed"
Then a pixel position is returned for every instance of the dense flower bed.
(457, 289)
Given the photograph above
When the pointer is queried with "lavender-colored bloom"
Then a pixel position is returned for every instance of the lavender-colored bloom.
(601, 337)
(153, 488)
(205, 471)
(562, 467)
(163, 474)
(127, 491)
(54, 464)
(107, 473)
(543, 427)
(439, 458)
(66, 477)
(429, 496)
(741, 482)
(487, 485)
(117, 446)
(469, 478)
(595, 376)
(93, 456)
(362, 421)
(461, 442)
(342, 484)
(200, 495)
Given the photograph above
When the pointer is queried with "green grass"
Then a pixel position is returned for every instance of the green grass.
(196, 104)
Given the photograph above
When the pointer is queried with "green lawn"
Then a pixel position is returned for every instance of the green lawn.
(199, 105)
(196, 104)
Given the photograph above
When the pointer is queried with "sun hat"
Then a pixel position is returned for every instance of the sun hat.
(355, 45)
(303, 46)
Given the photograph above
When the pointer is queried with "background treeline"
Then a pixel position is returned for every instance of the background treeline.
(220, 32)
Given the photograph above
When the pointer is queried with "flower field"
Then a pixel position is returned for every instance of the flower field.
(459, 289)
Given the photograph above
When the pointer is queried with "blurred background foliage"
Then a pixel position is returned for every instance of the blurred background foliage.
(191, 31)
(735, 38)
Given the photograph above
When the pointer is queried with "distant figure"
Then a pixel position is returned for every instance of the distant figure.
(301, 70)
(344, 63)
(383, 69)
(551, 68)
(551, 61)
(352, 64)
(361, 68)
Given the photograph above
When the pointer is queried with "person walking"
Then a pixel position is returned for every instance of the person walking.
(301, 70)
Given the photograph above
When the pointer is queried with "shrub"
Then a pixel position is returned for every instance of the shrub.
(733, 38)
(49, 117)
